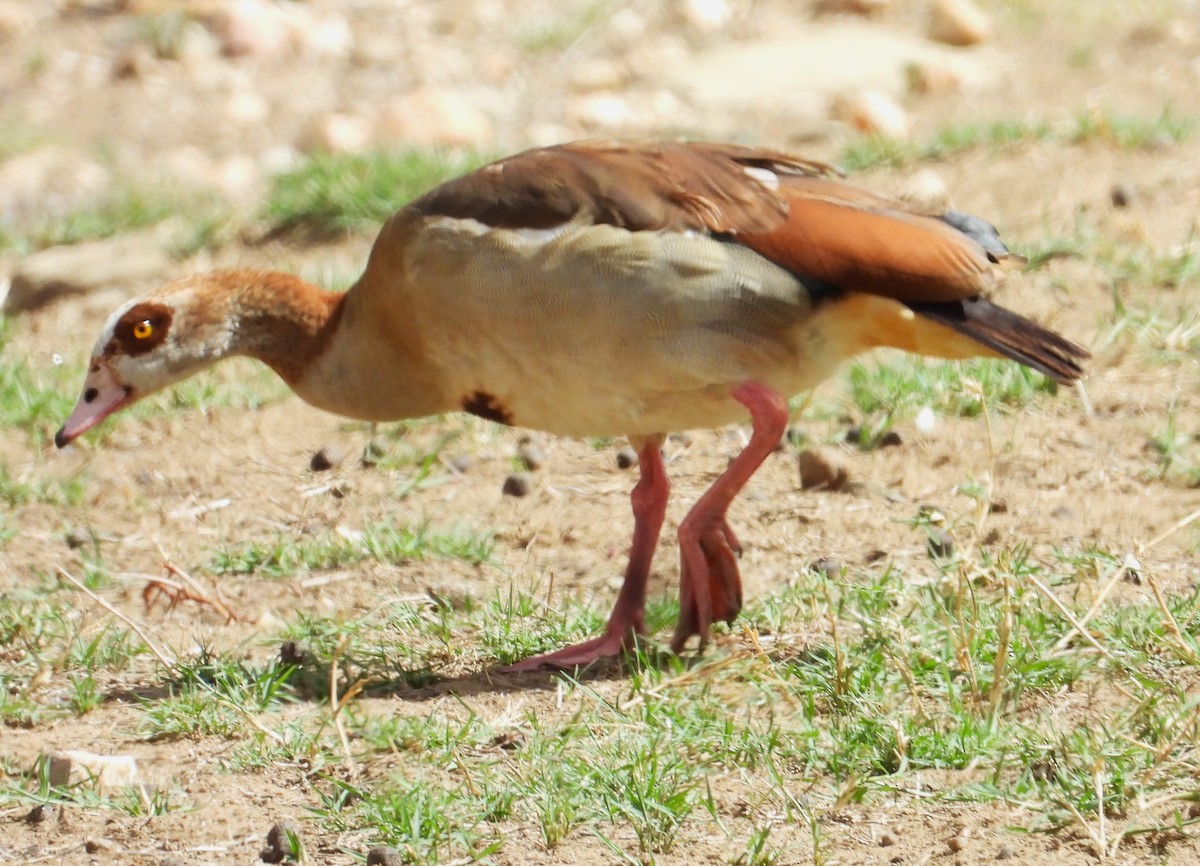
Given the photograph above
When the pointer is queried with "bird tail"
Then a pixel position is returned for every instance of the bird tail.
(1008, 334)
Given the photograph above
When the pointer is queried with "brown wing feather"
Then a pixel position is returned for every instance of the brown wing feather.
(640, 186)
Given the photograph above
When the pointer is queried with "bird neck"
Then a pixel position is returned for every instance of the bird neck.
(280, 319)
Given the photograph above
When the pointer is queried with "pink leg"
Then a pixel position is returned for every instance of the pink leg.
(710, 587)
(628, 619)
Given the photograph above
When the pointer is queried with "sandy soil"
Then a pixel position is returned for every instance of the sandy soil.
(1068, 478)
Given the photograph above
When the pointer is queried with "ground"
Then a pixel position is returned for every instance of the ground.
(1022, 687)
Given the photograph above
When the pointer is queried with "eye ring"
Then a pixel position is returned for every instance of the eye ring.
(143, 330)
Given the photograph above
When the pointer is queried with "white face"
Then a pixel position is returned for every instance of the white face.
(137, 353)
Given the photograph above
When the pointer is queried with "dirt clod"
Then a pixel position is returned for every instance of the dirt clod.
(98, 846)
(1121, 195)
(382, 855)
(327, 457)
(957, 843)
(819, 471)
(76, 537)
(886, 839)
(283, 843)
(827, 565)
(517, 484)
(627, 458)
(531, 455)
(40, 814)
(1006, 852)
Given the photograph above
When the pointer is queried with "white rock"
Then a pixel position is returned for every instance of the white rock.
(327, 36)
(873, 113)
(933, 76)
(73, 767)
(927, 189)
(958, 22)
(337, 133)
(239, 178)
(251, 28)
(434, 117)
(606, 111)
(279, 160)
(627, 24)
(16, 19)
(196, 44)
(247, 107)
(707, 16)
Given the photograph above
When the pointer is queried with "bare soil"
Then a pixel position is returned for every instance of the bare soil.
(1068, 478)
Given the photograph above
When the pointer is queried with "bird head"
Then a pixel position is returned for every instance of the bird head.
(146, 344)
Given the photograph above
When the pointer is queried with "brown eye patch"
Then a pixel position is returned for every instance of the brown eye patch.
(141, 329)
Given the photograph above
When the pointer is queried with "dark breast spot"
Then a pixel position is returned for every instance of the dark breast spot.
(485, 405)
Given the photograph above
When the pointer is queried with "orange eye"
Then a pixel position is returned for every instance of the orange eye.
(143, 329)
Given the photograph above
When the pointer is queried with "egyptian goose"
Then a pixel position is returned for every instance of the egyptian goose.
(603, 288)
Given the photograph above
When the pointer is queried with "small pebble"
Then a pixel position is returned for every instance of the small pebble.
(856, 437)
(940, 544)
(382, 855)
(1006, 852)
(97, 846)
(283, 843)
(1121, 195)
(531, 455)
(886, 839)
(819, 471)
(627, 458)
(875, 555)
(827, 565)
(1194, 810)
(77, 538)
(327, 457)
(460, 463)
(958, 22)
(517, 484)
(957, 843)
(40, 814)
(998, 506)
(1062, 512)
(873, 112)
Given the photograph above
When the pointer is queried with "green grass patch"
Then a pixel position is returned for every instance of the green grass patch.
(894, 386)
(333, 194)
(384, 543)
(1119, 131)
(957, 677)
